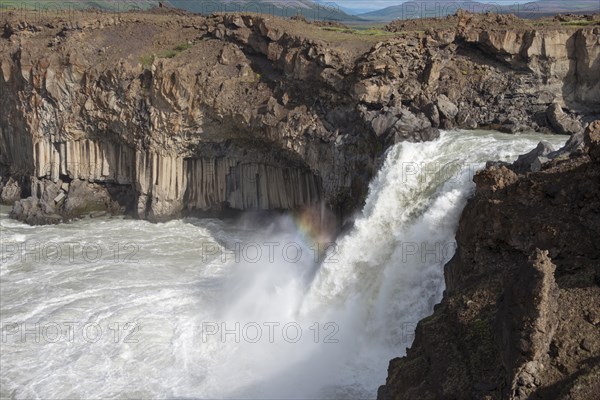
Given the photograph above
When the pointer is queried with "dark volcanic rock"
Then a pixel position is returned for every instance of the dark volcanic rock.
(592, 140)
(10, 190)
(562, 122)
(52, 203)
(447, 109)
(84, 198)
(432, 112)
(33, 212)
(533, 160)
(575, 144)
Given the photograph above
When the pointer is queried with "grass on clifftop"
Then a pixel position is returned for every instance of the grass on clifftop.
(180, 48)
(366, 31)
(581, 22)
(148, 59)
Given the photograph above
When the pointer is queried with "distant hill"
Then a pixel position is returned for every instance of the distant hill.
(423, 9)
(561, 6)
(283, 8)
(322, 9)
(111, 5)
(442, 8)
(347, 10)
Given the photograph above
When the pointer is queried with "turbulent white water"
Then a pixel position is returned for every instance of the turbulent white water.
(130, 309)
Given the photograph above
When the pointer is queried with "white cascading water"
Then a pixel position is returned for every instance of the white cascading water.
(124, 308)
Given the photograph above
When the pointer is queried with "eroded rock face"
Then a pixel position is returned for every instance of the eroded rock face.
(592, 140)
(10, 191)
(519, 315)
(534, 160)
(204, 114)
(561, 122)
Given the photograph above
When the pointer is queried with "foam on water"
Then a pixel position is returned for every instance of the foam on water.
(169, 285)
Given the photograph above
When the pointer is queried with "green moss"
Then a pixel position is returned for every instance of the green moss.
(174, 52)
(183, 46)
(147, 60)
(168, 54)
(337, 29)
(373, 32)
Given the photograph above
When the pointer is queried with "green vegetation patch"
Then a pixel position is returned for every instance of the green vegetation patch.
(367, 31)
(174, 52)
(581, 22)
(148, 59)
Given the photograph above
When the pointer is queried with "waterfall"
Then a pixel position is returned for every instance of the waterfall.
(241, 309)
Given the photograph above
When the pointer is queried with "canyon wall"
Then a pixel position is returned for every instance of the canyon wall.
(191, 114)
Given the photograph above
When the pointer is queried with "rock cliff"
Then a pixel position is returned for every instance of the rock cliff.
(165, 114)
(520, 316)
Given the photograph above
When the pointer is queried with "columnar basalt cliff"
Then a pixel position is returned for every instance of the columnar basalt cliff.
(520, 317)
(164, 114)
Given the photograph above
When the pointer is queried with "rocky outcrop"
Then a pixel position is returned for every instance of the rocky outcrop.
(519, 317)
(561, 122)
(53, 202)
(198, 114)
(592, 141)
(10, 191)
(534, 160)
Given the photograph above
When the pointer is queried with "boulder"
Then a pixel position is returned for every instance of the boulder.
(561, 122)
(84, 198)
(464, 119)
(373, 92)
(423, 135)
(383, 122)
(10, 192)
(533, 160)
(447, 108)
(431, 111)
(231, 55)
(411, 127)
(30, 211)
(574, 145)
(592, 140)
(432, 72)
(494, 179)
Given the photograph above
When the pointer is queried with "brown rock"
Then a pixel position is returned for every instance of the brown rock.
(592, 140)
(561, 122)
